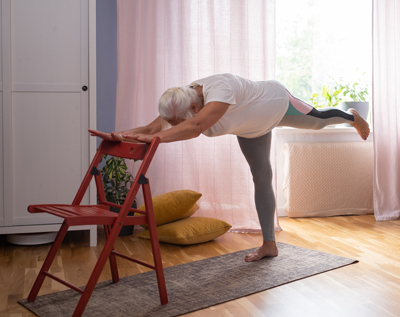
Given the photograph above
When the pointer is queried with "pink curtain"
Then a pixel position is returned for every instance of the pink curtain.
(386, 108)
(172, 43)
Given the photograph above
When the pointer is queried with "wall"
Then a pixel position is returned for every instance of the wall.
(106, 38)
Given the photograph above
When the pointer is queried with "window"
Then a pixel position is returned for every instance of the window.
(319, 40)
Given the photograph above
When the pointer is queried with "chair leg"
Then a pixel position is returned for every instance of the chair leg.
(94, 277)
(47, 262)
(112, 257)
(155, 244)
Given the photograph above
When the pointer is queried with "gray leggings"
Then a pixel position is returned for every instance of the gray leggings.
(257, 151)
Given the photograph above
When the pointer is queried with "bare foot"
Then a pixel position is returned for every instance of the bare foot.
(268, 249)
(360, 124)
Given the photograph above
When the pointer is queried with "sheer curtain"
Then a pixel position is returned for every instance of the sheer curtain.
(386, 108)
(172, 43)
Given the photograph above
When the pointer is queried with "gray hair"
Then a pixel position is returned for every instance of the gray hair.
(175, 103)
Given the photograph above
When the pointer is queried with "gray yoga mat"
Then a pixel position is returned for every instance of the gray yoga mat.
(192, 286)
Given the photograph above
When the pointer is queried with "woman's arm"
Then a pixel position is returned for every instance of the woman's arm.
(151, 128)
(188, 129)
(154, 127)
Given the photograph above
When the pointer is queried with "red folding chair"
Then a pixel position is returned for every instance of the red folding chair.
(76, 215)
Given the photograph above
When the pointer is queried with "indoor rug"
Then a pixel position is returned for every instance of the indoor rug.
(192, 286)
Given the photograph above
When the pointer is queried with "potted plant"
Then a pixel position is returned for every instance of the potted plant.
(117, 181)
(330, 97)
(354, 96)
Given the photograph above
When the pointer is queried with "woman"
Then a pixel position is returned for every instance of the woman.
(229, 104)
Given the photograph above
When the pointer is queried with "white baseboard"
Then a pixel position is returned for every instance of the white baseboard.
(281, 212)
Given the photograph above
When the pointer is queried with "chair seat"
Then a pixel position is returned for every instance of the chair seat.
(78, 215)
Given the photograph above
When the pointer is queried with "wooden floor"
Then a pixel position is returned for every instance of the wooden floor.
(368, 288)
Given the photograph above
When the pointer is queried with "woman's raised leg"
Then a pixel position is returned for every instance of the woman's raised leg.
(303, 116)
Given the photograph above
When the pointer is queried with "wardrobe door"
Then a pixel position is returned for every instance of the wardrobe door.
(49, 143)
(2, 217)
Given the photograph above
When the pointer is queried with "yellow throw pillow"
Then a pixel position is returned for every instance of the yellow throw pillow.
(191, 230)
(174, 206)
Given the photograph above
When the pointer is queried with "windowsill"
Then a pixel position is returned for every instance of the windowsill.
(338, 128)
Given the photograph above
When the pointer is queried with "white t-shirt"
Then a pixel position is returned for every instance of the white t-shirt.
(256, 107)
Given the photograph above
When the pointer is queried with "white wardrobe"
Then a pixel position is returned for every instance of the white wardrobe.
(47, 101)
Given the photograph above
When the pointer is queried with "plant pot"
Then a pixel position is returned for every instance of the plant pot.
(362, 108)
(126, 230)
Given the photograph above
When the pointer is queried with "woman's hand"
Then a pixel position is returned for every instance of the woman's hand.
(116, 137)
(140, 137)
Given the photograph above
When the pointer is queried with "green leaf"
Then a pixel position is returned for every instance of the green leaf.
(116, 180)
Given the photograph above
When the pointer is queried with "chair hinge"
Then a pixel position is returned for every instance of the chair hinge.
(143, 179)
(94, 171)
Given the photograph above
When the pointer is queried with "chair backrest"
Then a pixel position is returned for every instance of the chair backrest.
(135, 151)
